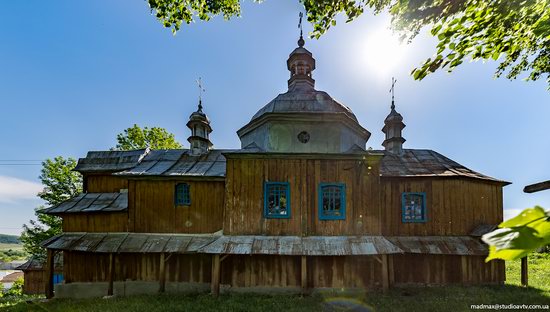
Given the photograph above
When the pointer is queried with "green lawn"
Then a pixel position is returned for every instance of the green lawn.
(6, 247)
(405, 299)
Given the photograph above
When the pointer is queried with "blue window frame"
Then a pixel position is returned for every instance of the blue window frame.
(332, 201)
(413, 207)
(277, 200)
(182, 194)
(58, 278)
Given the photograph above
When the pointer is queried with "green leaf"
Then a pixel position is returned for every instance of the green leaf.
(526, 216)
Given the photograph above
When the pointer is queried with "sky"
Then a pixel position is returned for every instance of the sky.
(75, 73)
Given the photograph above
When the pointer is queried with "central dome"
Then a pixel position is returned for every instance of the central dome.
(303, 120)
(304, 101)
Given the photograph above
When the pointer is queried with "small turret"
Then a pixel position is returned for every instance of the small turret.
(393, 127)
(199, 124)
(301, 63)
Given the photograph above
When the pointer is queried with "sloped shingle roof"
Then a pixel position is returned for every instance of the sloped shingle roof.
(91, 202)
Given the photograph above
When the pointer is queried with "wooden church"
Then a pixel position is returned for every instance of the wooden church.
(301, 206)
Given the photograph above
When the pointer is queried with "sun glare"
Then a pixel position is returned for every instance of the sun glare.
(382, 51)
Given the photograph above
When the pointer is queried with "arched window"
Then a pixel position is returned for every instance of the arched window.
(332, 201)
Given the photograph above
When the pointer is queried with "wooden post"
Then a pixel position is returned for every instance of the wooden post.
(215, 284)
(524, 272)
(385, 274)
(304, 274)
(111, 274)
(50, 266)
(162, 273)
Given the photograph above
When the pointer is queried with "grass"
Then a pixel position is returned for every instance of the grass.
(6, 247)
(452, 298)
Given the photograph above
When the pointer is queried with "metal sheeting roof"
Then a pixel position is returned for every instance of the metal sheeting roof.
(265, 245)
(35, 264)
(100, 161)
(482, 229)
(179, 163)
(440, 245)
(304, 101)
(419, 162)
(129, 242)
(295, 245)
(91, 202)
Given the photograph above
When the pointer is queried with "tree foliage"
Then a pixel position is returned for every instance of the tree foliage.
(515, 31)
(154, 138)
(60, 183)
(517, 237)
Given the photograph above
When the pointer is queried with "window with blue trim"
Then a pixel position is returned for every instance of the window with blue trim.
(332, 201)
(183, 196)
(413, 207)
(276, 200)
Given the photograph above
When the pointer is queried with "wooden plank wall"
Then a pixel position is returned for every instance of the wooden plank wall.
(446, 269)
(454, 206)
(104, 183)
(152, 207)
(245, 196)
(96, 222)
(94, 267)
(34, 282)
(261, 271)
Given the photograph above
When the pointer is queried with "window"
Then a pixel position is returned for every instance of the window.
(276, 200)
(414, 207)
(183, 197)
(332, 201)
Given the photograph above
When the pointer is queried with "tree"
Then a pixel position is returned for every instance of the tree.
(519, 236)
(155, 138)
(517, 31)
(60, 183)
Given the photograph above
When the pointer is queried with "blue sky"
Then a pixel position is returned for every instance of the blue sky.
(73, 74)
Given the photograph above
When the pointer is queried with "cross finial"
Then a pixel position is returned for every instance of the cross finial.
(301, 41)
(201, 90)
(392, 90)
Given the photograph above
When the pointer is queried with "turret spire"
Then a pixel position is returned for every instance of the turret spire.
(393, 126)
(199, 124)
(301, 63)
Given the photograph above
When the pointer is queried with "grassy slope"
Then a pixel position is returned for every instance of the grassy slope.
(6, 247)
(409, 299)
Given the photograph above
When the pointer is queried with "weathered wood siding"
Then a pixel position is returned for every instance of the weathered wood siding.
(34, 282)
(96, 222)
(446, 269)
(104, 183)
(245, 196)
(152, 207)
(454, 206)
(93, 267)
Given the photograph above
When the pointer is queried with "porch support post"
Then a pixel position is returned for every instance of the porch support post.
(162, 273)
(111, 274)
(385, 273)
(304, 274)
(50, 266)
(524, 272)
(215, 283)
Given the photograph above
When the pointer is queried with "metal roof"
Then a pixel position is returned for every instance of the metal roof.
(36, 264)
(179, 163)
(308, 245)
(110, 160)
(264, 245)
(91, 202)
(129, 242)
(426, 163)
(440, 245)
(483, 229)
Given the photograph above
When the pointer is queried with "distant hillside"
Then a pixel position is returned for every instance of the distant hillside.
(9, 239)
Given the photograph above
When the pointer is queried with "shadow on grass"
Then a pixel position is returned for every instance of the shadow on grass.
(409, 299)
(451, 298)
